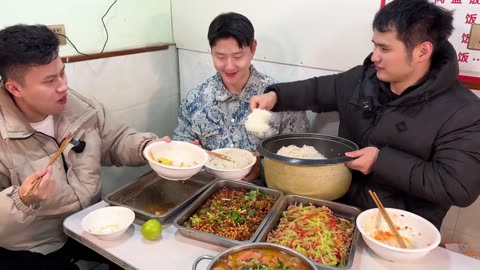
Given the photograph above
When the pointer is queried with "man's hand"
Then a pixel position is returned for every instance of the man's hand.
(163, 139)
(265, 101)
(197, 142)
(255, 172)
(44, 190)
(365, 159)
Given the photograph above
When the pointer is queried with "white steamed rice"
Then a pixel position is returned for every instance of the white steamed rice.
(238, 159)
(305, 152)
(233, 164)
(257, 121)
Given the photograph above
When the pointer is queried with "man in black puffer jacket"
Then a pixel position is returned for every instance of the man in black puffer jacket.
(417, 126)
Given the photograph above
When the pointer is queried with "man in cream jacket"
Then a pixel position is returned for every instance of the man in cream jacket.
(37, 111)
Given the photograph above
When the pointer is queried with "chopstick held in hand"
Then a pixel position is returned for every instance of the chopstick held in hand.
(387, 219)
(35, 183)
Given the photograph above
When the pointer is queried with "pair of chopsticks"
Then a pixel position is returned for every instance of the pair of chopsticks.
(35, 183)
(387, 218)
(217, 155)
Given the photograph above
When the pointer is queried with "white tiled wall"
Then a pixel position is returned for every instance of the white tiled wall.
(460, 225)
(141, 90)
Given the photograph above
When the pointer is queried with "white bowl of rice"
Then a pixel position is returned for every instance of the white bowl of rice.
(240, 164)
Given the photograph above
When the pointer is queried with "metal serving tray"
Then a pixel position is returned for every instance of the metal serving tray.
(339, 210)
(213, 238)
(151, 196)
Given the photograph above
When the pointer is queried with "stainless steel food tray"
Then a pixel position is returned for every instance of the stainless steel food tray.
(210, 237)
(151, 196)
(339, 210)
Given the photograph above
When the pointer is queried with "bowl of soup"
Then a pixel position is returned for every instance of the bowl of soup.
(257, 256)
(419, 235)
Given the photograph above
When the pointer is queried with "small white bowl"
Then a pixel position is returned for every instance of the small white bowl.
(108, 223)
(420, 235)
(188, 159)
(242, 161)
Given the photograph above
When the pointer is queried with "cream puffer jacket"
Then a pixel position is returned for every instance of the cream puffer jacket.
(24, 151)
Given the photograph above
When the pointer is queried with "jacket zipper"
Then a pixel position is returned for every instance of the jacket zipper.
(58, 145)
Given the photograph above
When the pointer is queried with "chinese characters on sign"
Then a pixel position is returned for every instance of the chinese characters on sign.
(466, 13)
(470, 18)
(463, 57)
(465, 38)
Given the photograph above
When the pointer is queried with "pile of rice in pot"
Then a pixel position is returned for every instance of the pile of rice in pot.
(304, 152)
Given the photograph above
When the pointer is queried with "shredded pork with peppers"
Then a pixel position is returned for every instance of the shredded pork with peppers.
(232, 213)
(316, 233)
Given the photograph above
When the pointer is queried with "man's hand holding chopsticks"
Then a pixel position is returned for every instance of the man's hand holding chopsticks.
(43, 191)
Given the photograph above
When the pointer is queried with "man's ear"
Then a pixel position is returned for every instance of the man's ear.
(13, 87)
(425, 50)
(254, 46)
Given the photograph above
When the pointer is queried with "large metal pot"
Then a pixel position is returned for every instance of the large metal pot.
(304, 260)
(326, 179)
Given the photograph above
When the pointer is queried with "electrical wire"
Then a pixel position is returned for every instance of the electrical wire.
(73, 45)
(104, 26)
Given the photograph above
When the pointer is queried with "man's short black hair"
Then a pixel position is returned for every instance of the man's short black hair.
(415, 21)
(22, 46)
(233, 25)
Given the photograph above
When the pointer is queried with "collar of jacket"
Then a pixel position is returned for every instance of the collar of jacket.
(441, 77)
(14, 125)
(222, 94)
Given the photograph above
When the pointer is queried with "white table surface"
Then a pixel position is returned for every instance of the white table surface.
(174, 251)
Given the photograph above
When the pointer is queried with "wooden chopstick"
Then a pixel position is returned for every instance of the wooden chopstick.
(387, 218)
(36, 182)
(218, 155)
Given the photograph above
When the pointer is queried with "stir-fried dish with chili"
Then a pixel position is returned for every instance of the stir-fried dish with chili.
(316, 233)
(232, 213)
(260, 259)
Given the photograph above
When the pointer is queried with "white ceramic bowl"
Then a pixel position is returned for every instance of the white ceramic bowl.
(241, 164)
(108, 223)
(420, 235)
(188, 159)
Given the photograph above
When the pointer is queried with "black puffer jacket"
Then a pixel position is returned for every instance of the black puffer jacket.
(429, 137)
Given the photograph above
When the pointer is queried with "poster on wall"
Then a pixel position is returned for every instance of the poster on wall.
(466, 16)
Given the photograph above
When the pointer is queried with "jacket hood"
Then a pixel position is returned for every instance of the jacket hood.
(442, 76)
(12, 122)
